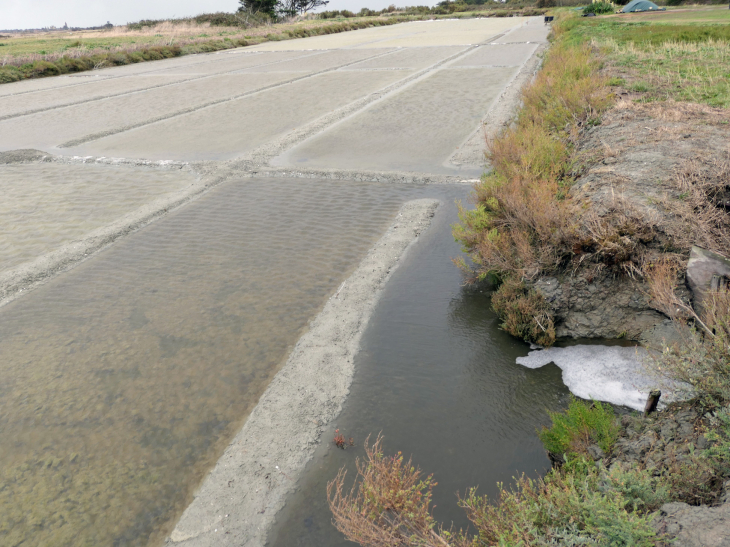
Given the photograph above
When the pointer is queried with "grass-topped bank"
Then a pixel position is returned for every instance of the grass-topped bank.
(609, 88)
(35, 55)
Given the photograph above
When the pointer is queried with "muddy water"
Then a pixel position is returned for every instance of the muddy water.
(122, 381)
(46, 205)
(439, 380)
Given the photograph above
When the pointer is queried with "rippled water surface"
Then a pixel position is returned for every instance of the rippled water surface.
(46, 205)
(438, 378)
(122, 381)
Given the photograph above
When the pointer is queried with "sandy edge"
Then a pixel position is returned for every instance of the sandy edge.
(240, 497)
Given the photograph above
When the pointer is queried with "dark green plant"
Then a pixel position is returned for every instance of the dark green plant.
(599, 8)
(268, 7)
(580, 426)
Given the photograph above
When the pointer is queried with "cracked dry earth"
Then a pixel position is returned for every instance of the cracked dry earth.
(154, 216)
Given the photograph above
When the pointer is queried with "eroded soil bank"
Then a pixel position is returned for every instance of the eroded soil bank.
(659, 174)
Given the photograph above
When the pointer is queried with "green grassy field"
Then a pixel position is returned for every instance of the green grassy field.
(682, 55)
(683, 15)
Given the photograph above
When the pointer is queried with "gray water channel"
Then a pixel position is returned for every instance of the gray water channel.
(123, 380)
(438, 378)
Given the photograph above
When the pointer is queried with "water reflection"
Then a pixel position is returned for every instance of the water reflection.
(439, 379)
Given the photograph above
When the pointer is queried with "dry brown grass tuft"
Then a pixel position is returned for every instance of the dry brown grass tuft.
(663, 277)
(388, 505)
(698, 204)
(674, 111)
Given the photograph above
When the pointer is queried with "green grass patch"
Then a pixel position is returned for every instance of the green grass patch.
(663, 60)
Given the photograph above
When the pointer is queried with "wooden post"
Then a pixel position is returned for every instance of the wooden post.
(652, 401)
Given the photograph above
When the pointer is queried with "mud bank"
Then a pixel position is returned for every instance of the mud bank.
(249, 484)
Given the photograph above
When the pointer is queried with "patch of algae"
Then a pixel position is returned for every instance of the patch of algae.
(52, 497)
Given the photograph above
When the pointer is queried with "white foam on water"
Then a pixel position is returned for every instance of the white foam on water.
(606, 373)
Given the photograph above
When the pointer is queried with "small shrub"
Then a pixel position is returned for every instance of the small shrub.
(10, 74)
(581, 425)
(152, 55)
(389, 504)
(599, 8)
(524, 313)
(69, 64)
(43, 68)
(577, 505)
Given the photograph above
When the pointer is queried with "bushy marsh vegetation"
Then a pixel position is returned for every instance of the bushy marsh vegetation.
(581, 502)
(533, 162)
(537, 159)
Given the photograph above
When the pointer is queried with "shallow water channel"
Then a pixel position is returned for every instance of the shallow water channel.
(438, 378)
(122, 381)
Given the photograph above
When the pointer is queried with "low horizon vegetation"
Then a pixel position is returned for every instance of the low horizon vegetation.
(52, 53)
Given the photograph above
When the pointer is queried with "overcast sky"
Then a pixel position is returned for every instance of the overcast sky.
(20, 14)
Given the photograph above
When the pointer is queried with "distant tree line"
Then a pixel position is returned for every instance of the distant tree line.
(280, 8)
